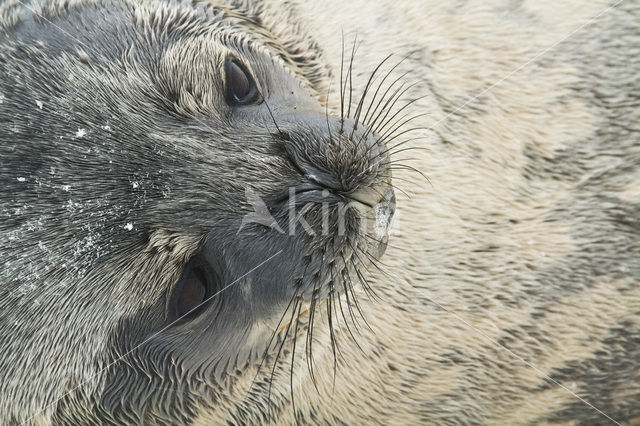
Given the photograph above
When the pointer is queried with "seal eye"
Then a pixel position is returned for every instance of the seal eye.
(240, 87)
(193, 292)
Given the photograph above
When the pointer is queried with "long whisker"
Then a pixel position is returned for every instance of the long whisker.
(350, 75)
(293, 356)
(381, 118)
(326, 112)
(342, 88)
(346, 322)
(385, 123)
(332, 337)
(383, 98)
(364, 93)
(309, 340)
(273, 335)
(348, 285)
(399, 124)
(365, 284)
(381, 123)
(345, 285)
(284, 340)
(375, 95)
(353, 295)
(417, 138)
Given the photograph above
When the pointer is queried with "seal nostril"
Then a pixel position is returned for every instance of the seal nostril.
(371, 195)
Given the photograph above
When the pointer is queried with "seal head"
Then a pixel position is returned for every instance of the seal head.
(174, 187)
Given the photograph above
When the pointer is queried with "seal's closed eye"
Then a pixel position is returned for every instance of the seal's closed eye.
(241, 88)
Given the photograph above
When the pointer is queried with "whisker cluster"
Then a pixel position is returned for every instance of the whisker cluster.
(377, 112)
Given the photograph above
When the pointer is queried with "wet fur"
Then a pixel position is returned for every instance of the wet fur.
(512, 276)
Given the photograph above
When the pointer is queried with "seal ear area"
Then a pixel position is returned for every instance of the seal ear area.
(195, 292)
(240, 86)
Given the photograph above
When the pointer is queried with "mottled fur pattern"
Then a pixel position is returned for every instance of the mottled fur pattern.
(510, 290)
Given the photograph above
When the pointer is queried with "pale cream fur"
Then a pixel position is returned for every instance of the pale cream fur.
(440, 294)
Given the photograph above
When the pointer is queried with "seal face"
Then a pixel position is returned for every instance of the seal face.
(136, 138)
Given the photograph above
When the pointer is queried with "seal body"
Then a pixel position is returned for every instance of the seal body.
(133, 150)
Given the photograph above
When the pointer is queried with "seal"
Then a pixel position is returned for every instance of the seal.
(180, 115)
(196, 198)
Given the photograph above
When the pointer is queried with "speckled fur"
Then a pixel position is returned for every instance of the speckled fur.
(512, 278)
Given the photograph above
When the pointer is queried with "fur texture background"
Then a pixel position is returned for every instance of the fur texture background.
(511, 291)
(520, 261)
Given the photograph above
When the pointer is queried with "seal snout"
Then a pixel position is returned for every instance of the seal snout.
(347, 160)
